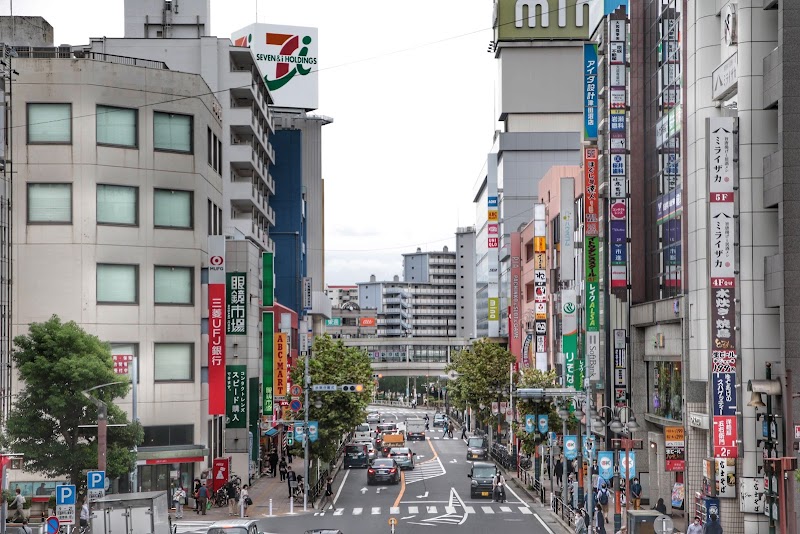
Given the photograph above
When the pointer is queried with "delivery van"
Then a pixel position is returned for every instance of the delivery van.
(389, 441)
(415, 429)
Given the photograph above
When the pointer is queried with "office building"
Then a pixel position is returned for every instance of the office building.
(465, 283)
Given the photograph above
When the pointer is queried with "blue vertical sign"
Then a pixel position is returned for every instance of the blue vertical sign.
(605, 465)
(570, 447)
(627, 468)
(589, 92)
(530, 423)
(543, 423)
(313, 431)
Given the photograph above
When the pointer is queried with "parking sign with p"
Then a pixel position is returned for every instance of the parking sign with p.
(96, 484)
(65, 504)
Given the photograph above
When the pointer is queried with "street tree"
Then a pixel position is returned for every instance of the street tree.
(331, 362)
(535, 378)
(484, 375)
(51, 421)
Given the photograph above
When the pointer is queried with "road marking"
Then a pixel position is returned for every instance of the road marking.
(514, 493)
(408, 517)
(379, 490)
(363, 490)
(450, 509)
(394, 510)
(525, 510)
(431, 509)
(413, 510)
(543, 524)
(346, 474)
(487, 509)
(453, 461)
(376, 510)
(422, 496)
(505, 509)
(402, 488)
(338, 511)
(469, 509)
(357, 511)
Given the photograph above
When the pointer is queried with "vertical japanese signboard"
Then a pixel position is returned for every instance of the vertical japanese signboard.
(573, 370)
(236, 305)
(722, 267)
(567, 229)
(493, 216)
(515, 315)
(592, 263)
(216, 325)
(590, 92)
(267, 348)
(617, 130)
(674, 448)
(620, 367)
(591, 215)
(236, 396)
(540, 284)
(280, 366)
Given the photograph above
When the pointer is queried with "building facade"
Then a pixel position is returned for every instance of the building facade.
(465, 283)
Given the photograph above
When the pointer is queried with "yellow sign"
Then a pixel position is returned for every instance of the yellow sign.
(280, 366)
(539, 244)
(494, 309)
(673, 433)
(539, 260)
(492, 215)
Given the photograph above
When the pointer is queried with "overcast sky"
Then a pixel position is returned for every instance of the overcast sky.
(410, 87)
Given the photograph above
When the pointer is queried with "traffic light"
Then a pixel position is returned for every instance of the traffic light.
(352, 388)
(290, 435)
(377, 376)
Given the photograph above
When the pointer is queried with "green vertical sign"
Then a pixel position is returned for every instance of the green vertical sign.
(236, 308)
(236, 396)
(573, 374)
(255, 415)
(268, 279)
(267, 348)
(591, 341)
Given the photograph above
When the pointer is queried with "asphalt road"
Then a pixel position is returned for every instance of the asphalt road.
(435, 495)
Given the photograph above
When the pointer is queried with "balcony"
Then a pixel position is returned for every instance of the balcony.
(403, 292)
(395, 300)
(443, 261)
(440, 271)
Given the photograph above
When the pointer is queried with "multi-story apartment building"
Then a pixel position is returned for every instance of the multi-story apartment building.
(111, 229)
(341, 295)
(432, 282)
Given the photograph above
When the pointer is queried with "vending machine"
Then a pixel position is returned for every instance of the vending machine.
(704, 506)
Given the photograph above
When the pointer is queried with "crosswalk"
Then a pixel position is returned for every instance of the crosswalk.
(425, 471)
(426, 510)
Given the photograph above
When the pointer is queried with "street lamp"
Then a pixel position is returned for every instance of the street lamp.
(618, 427)
(102, 424)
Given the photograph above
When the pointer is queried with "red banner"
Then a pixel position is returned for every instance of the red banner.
(724, 438)
(221, 471)
(216, 349)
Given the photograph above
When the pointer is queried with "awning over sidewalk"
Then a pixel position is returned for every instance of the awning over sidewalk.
(271, 432)
(179, 454)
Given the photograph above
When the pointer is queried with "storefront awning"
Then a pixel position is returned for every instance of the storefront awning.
(180, 454)
(271, 432)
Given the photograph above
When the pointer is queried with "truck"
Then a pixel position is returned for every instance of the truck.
(389, 441)
(131, 512)
(415, 429)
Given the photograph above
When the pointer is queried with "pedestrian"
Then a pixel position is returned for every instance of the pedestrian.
(713, 526)
(599, 520)
(177, 499)
(636, 494)
(289, 456)
(197, 485)
(499, 488)
(291, 480)
(83, 519)
(18, 504)
(603, 497)
(233, 497)
(595, 475)
(246, 501)
(558, 471)
(273, 462)
(202, 498)
(463, 431)
(282, 469)
(25, 528)
(328, 498)
(580, 526)
(660, 507)
(444, 427)
(695, 527)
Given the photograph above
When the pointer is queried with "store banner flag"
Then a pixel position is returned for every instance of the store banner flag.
(530, 423)
(605, 464)
(570, 447)
(627, 467)
(216, 325)
(543, 423)
(236, 396)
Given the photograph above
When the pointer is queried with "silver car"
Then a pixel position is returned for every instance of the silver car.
(235, 526)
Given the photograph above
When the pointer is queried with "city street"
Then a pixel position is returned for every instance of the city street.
(433, 495)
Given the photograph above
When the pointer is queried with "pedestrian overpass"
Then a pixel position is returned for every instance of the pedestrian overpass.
(409, 356)
(409, 368)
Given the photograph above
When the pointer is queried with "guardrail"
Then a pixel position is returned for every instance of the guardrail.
(564, 510)
(319, 486)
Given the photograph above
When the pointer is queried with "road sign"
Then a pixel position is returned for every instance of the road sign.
(324, 387)
(52, 525)
(295, 390)
(96, 485)
(65, 495)
(65, 505)
(296, 405)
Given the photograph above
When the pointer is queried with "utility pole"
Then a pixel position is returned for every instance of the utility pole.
(307, 381)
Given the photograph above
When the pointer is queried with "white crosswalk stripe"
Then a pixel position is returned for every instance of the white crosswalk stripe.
(505, 509)
(413, 510)
(431, 509)
(525, 510)
(340, 511)
(487, 509)
(357, 511)
(376, 510)
(200, 527)
(394, 510)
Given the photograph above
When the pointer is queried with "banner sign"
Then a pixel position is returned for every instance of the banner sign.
(722, 267)
(567, 229)
(573, 369)
(280, 366)
(216, 325)
(591, 214)
(605, 465)
(724, 478)
(675, 448)
(589, 92)
(669, 206)
(236, 396)
(530, 423)
(543, 422)
(620, 367)
(267, 348)
(627, 467)
(570, 447)
(236, 305)
(515, 313)
(540, 284)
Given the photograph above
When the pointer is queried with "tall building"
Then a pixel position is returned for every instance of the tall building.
(112, 230)
(432, 282)
(465, 283)
(341, 295)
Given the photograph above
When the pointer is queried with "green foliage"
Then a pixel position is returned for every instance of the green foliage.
(534, 378)
(334, 363)
(56, 361)
(483, 371)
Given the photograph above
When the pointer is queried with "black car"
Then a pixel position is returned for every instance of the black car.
(482, 475)
(477, 449)
(383, 470)
(356, 455)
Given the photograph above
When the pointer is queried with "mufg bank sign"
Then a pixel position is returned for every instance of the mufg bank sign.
(524, 20)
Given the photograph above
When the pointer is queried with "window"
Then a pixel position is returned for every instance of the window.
(172, 209)
(117, 204)
(168, 435)
(173, 362)
(665, 387)
(117, 284)
(117, 127)
(50, 124)
(126, 349)
(50, 203)
(172, 132)
(174, 285)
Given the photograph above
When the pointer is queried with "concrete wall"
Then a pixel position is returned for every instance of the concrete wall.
(415, 267)
(26, 31)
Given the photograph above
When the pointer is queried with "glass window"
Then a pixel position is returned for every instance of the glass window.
(173, 285)
(117, 204)
(665, 386)
(117, 284)
(49, 123)
(50, 203)
(173, 362)
(172, 209)
(116, 126)
(172, 132)
(167, 435)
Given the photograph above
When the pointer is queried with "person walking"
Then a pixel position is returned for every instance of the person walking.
(464, 431)
(282, 469)
(202, 498)
(603, 497)
(291, 480)
(580, 525)
(245, 499)
(289, 457)
(599, 520)
(194, 494)
(636, 494)
(660, 507)
(232, 493)
(713, 526)
(273, 462)
(328, 498)
(177, 499)
(83, 519)
(18, 504)
(25, 528)
(558, 471)
(695, 527)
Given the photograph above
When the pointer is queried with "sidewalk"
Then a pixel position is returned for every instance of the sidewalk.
(262, 490)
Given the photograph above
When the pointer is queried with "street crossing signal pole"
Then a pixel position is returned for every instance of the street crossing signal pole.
(307, 381)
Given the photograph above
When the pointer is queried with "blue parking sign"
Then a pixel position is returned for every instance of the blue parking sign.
(96, 480)
(65, 495)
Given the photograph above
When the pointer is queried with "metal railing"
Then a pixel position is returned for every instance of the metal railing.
(319, 486)
(65, 52)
